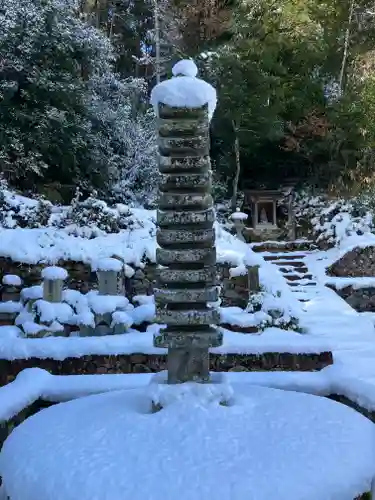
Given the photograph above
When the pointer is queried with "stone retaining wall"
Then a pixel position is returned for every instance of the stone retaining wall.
(361, 299)
(235, 291)
(152, 363)
(355, 263)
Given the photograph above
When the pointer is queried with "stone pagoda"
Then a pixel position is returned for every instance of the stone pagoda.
(186, 290)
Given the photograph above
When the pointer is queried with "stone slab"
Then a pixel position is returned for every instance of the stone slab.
(182, 127)
(182, 218)
(193, 164)
(201, 181)
(169, 112)
(195, 143)
(190, 317)
(211, 338)
(206, 275)
(202, 237)
(173, 296)
(203, 256)
(182, 201)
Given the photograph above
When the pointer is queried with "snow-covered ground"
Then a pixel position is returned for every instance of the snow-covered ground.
(327, 321)
(224, 440)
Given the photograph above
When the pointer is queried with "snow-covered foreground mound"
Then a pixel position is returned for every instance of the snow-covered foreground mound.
(260, 443)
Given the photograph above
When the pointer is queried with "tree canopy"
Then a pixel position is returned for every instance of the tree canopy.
(294, 78)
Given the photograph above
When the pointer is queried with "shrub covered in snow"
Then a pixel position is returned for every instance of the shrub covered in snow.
(88, 218)
(276, 311)
(331, 221)
(18, 212)
(93, 217)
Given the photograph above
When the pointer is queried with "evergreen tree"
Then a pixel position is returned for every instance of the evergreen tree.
(64, 116)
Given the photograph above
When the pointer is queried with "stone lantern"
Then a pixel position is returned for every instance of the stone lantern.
(238, 219)
(186, 281)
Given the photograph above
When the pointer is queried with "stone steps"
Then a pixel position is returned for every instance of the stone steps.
(277, 247)
(240, 329)
(297, 277)
(284, 257)
(291, 265)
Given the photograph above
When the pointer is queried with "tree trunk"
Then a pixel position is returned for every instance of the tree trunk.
(157, 40)
(346, 48)
(238, 166)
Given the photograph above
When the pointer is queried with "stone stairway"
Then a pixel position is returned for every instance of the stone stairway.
(289, 258)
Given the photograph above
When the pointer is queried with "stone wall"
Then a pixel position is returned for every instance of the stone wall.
(152, 363)
(80, 277)
(357, 262)
(362, 299)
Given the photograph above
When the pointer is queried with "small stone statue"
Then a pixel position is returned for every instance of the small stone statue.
(263, 216)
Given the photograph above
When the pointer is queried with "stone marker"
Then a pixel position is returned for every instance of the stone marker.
(186, 280)
(53, 282)
(108, 271)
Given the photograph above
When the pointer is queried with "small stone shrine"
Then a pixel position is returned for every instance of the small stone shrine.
(186, 282)
(263, 208)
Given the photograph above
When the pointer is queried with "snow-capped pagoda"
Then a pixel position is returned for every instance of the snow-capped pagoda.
(186, 285)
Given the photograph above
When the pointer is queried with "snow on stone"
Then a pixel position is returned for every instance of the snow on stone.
(184, 90)
(32, 293)
(55, 327)
(31, 328)
(334, 379)
(128, 271)
(143, 313)
(230, 250)
(238, 215)
(59, 348)
(102, 304)
(272, 340)
(186, 67)
(121, 318)
(12, 280)
(9, 332)
(107, 265)
(22, 392)
(239, 317)
(355, 282)
(143, 299)
(48, 311)
(77, 300)
(10, 307)
(23, 317)
(86, 318)
(54, 273)
(289, 434)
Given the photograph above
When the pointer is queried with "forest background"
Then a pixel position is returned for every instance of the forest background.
(295, 80)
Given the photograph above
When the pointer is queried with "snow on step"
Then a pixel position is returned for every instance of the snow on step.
(189, 439)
